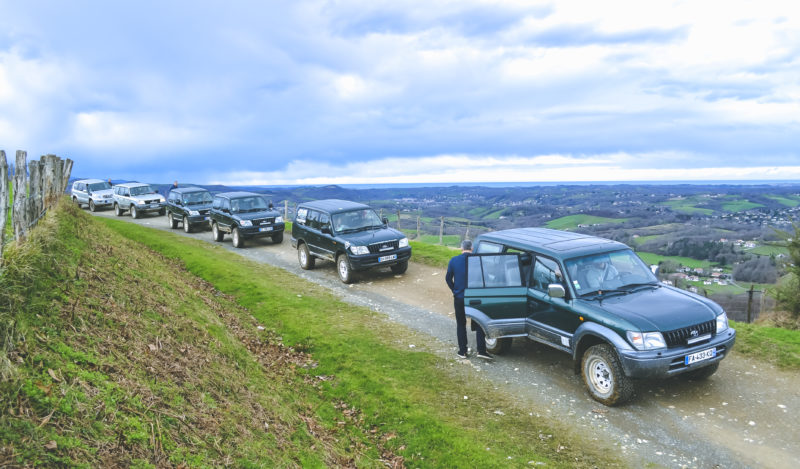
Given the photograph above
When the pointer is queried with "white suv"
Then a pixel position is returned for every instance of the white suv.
(137, 197)
(92, 192)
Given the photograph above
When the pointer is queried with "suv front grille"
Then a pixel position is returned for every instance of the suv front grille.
(263, 221)
(678, 337)
(154, 201)
(204, 211)
(383, 246)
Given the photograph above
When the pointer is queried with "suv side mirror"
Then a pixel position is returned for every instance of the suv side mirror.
(326, 229)
(385, 220)
(556, 291)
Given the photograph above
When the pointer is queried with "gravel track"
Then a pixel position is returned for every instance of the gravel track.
(743, 416)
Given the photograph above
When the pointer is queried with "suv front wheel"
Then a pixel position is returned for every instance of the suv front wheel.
(92, 208)
(134, 212)
(173, 223)
(604, 377)
(344, 269)
(216, 233)
(400, 268)
(187, 227)
(236, 237)
(304, 257)
(117, 210)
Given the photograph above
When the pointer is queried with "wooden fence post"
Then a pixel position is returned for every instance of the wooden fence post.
(48, 181)
(286, 210)
(418, 227)
(398, 219)
(749, 304)
(3, 200)
(441, 230)
(18, 212)
(466, 235)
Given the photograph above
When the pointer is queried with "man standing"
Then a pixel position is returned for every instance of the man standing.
(456, 279)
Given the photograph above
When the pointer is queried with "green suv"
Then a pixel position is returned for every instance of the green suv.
(244, 215)
(595, 299)
(350, 234)
(189, 206)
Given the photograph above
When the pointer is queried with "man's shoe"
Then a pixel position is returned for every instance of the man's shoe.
(485, 356)
(462, 356)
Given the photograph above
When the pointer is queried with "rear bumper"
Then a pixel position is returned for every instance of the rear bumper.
(663, 364)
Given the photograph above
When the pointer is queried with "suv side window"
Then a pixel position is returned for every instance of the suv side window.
(302, 213)
(545, 272)
(500, 270)
(324, 221)
(486, 247)
(226, 204)
(216, 204)
(312, 220)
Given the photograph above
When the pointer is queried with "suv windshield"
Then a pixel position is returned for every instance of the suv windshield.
(608, 271)
(248, 204)
(356, 220)
(195, 198)
(142, 190)
(99, 186)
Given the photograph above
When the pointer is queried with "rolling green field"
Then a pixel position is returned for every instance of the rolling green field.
(769, 250)
(570, 222)
(740, 205)
(654, 259)
(643, 239)
(787, 201)
(688, 206)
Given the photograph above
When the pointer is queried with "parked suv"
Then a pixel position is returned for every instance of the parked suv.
(189, 206)
(596, 300)
(92, 192)
(245, 215)
(137, 197)
(349, 234)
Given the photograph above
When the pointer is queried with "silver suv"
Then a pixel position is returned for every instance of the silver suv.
(137, 197)
(92, 192)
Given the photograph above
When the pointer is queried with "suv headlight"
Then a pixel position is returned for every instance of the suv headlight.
(193, 213)
(140, 202)
(403, 243)
(722, 322)
(646, 340)
(278, 219)
(246, 223)
(359, 250)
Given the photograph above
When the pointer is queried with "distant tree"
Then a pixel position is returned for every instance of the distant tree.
(788, 293)
(760, 269)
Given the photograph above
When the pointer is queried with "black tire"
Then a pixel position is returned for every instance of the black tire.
(237, 238)
(305, 258)
(703, 373)
(162, 212)
(604, 377)
(344, 269)
(134, 212)
(173, 223)
(92, 208)
(216, 233)
(498, 346)
(277, 238)
(400, 268)
(117, 210)
(187, 227)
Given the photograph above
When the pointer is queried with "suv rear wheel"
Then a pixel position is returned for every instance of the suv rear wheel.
(400, 267)
(498, 346)
(343, 268)
(173, 223)
(216, 233)
(187, 227)
(236, 237)
(604, 377)
(304, 257)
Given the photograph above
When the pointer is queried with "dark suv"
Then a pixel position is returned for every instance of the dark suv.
(596, 300)
(350, 234)
(189, 206)
(245, 215)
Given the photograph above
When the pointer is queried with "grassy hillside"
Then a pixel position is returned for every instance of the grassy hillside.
(116, 354)
(571, 222)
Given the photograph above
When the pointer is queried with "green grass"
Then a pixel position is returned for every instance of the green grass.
(789, 202)
(775, 345)
(769, 250)
(410, 395)
(643, 239)
(432, 254)
(654, 259)
(570, 222)
(688, 206)
(447, 240)
(740, 205)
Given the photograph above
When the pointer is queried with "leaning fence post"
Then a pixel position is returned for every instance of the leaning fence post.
(441, 229)
(18, 212)
(286, 210)
(418, 227)
(749, 303)
(398, 219)
(3, 200)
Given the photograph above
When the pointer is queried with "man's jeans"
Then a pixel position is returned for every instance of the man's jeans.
(461, 329)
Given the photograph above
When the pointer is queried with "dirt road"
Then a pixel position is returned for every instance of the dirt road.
(746, 415)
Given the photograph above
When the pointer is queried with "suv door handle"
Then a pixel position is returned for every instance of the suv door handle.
(474, 302)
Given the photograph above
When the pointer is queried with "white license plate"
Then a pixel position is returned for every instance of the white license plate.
(700, 356)
(205, 218)
(153, 205)
(265, 228)
(387, 258)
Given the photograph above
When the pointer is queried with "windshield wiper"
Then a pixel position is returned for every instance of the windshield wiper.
(603, 293)
(633, 286)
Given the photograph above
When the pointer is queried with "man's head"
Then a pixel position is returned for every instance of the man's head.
(466, 246)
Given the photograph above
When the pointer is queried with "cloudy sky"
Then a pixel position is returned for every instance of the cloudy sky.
(319, 92)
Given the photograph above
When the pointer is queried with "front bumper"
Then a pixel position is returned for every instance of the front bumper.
(199, 219)
(144, 208)
(666, 363)
(261, 231)
(103, 202)
(368, 261)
